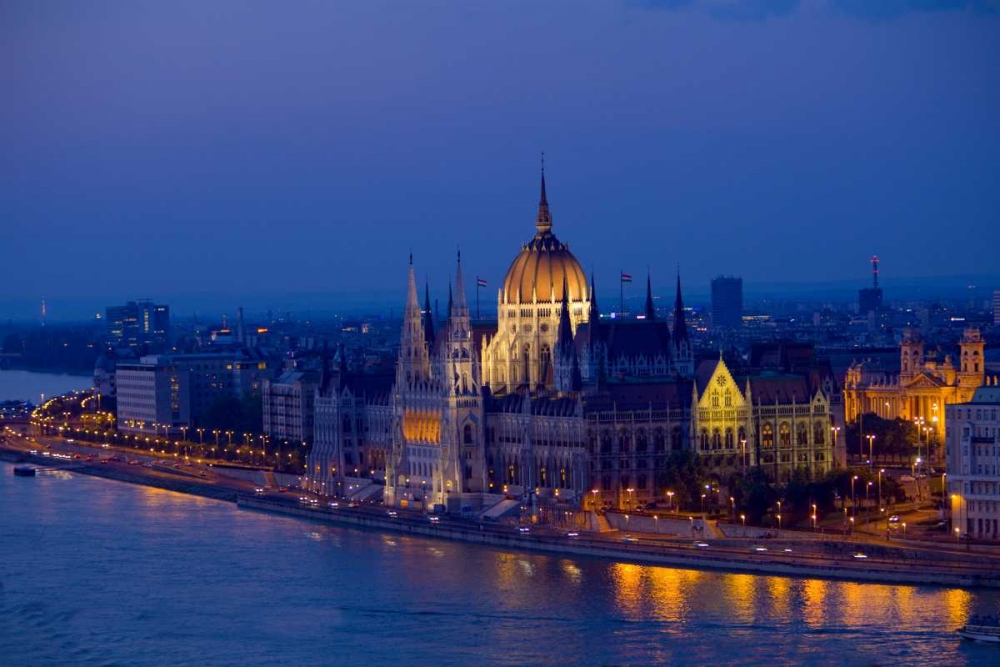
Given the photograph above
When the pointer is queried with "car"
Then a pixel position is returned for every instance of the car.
(787, 550)
(354, 503)
(392, 513)
(701, 545)
(894, 518)
(907, 478)
(104, 461)
(629, 539)
(90, 458)
(282, 489)
(202, 474)
(860, 556)
(334, 504)
(33, 452)
(760, 549)
(259, 491)
(523, 530)
(434, 519)
(573, 534)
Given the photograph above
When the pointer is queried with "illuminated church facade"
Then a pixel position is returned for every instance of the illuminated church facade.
(551, 405)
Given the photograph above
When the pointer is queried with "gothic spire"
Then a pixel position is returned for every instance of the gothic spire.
(460, 303)
(680, 326)
(650, 309)
(594, 314)
(428, 316)
(544, 221)
(564, 334)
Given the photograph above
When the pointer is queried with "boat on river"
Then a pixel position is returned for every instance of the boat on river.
(24, 471)
(981, 629)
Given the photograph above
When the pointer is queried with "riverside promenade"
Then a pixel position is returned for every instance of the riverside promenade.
(828, 559)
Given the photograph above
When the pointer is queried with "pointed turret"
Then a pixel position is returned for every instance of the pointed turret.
(544, 221)
(680, 325)
(650, 309)
(413, 358)
(428, 316)
(594, 315)
(564, 334)
(459, 306)
(683, 357)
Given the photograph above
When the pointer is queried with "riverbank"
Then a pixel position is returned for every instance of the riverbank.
(826, 560)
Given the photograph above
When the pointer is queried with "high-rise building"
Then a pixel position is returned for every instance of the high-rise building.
(996, 307)
(727, 303)
(153, 396)
(138, 324)
(870, 298)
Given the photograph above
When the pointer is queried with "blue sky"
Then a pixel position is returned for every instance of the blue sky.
(255, 150)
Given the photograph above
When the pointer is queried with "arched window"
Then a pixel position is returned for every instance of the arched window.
(467, 434)
(729, 438)
(715, 399)
(801, 435)
(716, 438)
(728, 399)
(703, 438)
(640, 442)
(819, 433)
(767, 436)
(784, 435)
(659, 441)
(676, 439)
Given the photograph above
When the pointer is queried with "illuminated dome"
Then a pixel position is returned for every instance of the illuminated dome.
(543, 265)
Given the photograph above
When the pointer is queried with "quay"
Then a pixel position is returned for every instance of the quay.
(830, 559)
(880, 565)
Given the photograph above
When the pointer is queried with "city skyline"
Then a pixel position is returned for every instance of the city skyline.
(262, 160)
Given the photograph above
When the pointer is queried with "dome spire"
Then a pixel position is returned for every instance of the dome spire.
(544, 221)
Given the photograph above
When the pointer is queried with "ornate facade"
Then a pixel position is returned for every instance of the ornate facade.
(922, 387)
(552, 406)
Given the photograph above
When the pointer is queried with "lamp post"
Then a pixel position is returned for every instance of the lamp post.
(743, 442)
(743, 517)
(201, 435)
(871, 451)
(703, 506)
(868, 507)
(670, 500)
(854, 504)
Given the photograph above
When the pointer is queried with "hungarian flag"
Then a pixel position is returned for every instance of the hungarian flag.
(480, 282)
(626, 277)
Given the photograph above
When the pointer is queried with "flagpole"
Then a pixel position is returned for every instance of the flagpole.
(477, 297)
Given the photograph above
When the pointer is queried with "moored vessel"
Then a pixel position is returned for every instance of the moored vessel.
(981, 629)
(24, 471)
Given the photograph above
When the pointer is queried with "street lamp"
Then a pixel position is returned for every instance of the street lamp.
(854, 504)
(743, 442)
(871, 451)
(743, 517)
(670, 499)
(703, 506)
(779, 522)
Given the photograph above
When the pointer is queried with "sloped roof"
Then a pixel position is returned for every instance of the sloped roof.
(780, 388)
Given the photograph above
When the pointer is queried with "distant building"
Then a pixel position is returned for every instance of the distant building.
(153, 396)
(973, 466)
(727, 303)
(288, 405)
(204, 379)
(996, 307)
(923, 387)
(138, 324)
(870, 298)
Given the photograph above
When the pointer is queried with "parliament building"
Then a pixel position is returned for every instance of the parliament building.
(555, 406)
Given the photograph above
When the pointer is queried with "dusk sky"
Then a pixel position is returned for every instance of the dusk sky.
(215, 152)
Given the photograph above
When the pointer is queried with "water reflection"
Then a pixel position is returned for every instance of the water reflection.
(185, 580)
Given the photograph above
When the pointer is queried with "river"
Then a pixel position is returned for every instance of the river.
(97, 572)
(29, 386)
